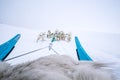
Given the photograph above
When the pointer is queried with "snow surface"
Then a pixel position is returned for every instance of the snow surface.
(100, 46)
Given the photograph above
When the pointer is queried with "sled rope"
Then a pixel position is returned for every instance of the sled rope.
(54, 51)
(25, 53)
(50, 48)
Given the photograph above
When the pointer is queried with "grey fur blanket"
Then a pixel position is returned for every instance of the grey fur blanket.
(55, 67)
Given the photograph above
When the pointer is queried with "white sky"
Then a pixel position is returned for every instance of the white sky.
(95, 15)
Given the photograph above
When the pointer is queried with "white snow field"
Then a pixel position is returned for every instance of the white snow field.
(100, 46)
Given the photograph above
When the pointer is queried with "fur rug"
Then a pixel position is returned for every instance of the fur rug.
(55, 67)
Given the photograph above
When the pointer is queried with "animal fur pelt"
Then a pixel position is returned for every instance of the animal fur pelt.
(55, 67)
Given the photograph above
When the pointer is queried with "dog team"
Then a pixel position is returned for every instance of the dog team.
(58, 35)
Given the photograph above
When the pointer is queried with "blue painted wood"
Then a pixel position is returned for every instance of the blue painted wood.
(7, 47)
(81, 53)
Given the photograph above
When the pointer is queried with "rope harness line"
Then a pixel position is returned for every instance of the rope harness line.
(50, 48)
(54, 51)
(25, 53)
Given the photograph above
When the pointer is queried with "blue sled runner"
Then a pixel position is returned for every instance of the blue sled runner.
(81, 53)
(8, 46)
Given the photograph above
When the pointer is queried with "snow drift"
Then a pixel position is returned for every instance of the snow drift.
(55, 67)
